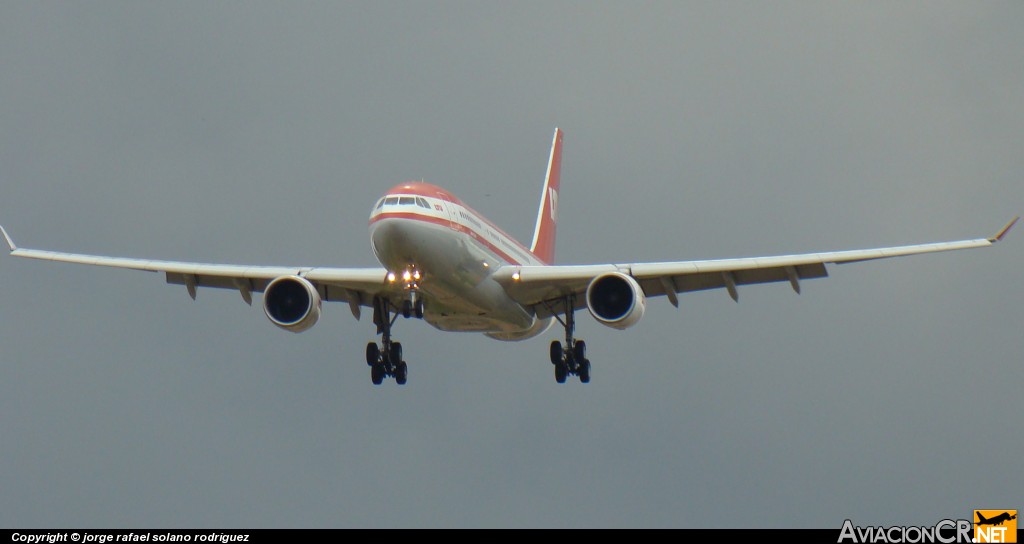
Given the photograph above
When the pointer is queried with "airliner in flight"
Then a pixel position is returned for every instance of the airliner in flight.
(445, 263)
(997, 520)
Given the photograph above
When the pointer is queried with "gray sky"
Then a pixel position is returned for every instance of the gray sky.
(245, 132)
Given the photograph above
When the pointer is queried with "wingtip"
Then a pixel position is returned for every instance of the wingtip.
(1002, 233)
(10, 243)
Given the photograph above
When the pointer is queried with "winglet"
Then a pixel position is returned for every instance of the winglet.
(7, 237)
(997, 238)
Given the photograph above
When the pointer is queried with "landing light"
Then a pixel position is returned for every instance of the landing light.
(406, 275)
(416, 275)
(515, 276)
(391, 277)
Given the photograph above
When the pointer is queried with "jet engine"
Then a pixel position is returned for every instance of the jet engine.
(292, 303)
(616, 300)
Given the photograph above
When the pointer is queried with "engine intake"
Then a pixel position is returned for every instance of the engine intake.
(292, 303)
(616, 300)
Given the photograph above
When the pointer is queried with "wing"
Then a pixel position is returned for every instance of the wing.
(538, 287)
(357, 286)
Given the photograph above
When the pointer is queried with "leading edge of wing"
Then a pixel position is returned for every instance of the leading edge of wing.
(831, 257)
(541, 282)
(364, 276)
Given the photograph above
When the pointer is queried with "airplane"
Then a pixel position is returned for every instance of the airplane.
(446, 264)
(998, 520)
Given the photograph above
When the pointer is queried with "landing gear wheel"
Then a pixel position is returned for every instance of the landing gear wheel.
(584, 371)
(556, 352)
(386, 359)
(561, 371)
(372, 354)
(572, 359)
(419, 309)
(395, 356)
(377, 374)
(579, 350)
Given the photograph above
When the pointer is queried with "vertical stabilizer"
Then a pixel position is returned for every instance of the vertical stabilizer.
(547, 215)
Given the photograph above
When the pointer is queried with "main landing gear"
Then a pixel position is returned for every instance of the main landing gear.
(386, 359)
(571, 359)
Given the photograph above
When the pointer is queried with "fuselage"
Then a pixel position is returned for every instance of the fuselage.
(442, 249)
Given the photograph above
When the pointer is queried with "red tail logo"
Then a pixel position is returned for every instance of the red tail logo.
(547, 215)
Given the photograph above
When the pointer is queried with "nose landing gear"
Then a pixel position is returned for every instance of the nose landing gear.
(412, 306)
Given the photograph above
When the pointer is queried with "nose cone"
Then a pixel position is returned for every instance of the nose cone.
(392, 241)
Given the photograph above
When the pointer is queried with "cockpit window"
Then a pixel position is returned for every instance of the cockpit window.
(407, 201)
(422, 202)
(391, 200)
(380, 204)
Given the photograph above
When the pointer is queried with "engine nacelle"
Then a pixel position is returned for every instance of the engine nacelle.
(616, 300)
(292, 303)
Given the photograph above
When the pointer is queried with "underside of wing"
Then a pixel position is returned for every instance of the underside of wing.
(357, 286)
(546, 288)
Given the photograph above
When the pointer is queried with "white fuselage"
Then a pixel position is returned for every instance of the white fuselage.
(419, 228)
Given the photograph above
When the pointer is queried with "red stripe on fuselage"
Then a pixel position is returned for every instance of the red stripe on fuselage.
(453, 226)
(497, 229)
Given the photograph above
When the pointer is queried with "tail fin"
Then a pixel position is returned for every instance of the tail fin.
(981, 518)
(547, 216)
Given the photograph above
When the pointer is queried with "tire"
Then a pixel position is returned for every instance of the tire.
(396, 353)
(419, 309)
(579, 350)
(406, 309)
(377, 374)
(556, 352)
(561, 371)
(401, 373)
(585, 371)
(372, 354)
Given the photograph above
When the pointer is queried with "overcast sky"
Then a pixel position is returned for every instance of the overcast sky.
(254, 132)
